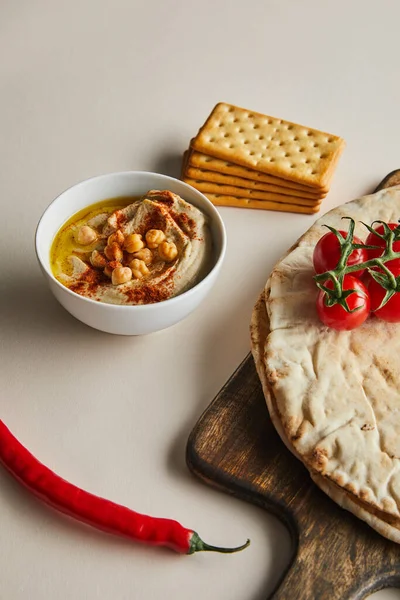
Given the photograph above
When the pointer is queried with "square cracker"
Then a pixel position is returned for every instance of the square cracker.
(220, 200)
(204, 161)
(230, 190)
(248, 184)
(270, 145)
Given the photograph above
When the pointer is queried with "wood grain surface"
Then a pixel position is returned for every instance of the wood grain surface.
(235, 448)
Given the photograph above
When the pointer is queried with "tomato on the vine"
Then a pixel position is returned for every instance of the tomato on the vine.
(327, 253)
(391, 310)
(336, 316)
(374, 240)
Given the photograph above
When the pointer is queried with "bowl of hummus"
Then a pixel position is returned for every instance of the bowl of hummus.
(130, 253)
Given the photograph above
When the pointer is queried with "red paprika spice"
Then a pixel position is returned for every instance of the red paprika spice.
(93, 510)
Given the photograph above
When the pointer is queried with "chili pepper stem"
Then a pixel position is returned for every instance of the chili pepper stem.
(197, 545)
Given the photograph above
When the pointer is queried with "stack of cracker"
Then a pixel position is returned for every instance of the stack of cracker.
(246, 159)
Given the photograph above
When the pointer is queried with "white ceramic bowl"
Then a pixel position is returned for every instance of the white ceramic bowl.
(126, 320)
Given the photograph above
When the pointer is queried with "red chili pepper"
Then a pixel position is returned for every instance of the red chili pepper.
(93, 510)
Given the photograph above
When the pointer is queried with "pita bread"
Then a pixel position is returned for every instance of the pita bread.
(334, 397)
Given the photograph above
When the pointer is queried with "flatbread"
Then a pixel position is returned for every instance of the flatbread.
(259, 330)
(334, 397)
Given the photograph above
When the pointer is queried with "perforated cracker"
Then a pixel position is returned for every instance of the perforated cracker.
(229, 190)
(204, 161)
(270, 145)
(221, 200)
(203, 175)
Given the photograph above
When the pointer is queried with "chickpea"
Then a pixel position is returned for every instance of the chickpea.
(116, 238)
(145, 255)
(133, 243)
(113, 252)
(98, 259)
(139, 268)
(121, 275)
(109, 268)
(154, 237)
(85, 235)
(167, 251)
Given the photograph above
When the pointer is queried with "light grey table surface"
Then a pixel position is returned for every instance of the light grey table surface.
(88, 87)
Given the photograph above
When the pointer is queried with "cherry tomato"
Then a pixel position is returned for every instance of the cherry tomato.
(336, 316)
(391, 311)
(327, 253)
(374, 240)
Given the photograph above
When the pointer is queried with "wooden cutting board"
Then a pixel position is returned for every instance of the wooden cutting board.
(235, 448)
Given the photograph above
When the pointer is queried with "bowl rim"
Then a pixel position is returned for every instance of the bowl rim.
(136, 307)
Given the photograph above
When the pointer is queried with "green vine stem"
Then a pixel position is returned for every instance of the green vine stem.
(383, 276)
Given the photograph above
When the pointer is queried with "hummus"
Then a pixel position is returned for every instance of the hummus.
(152, 249)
